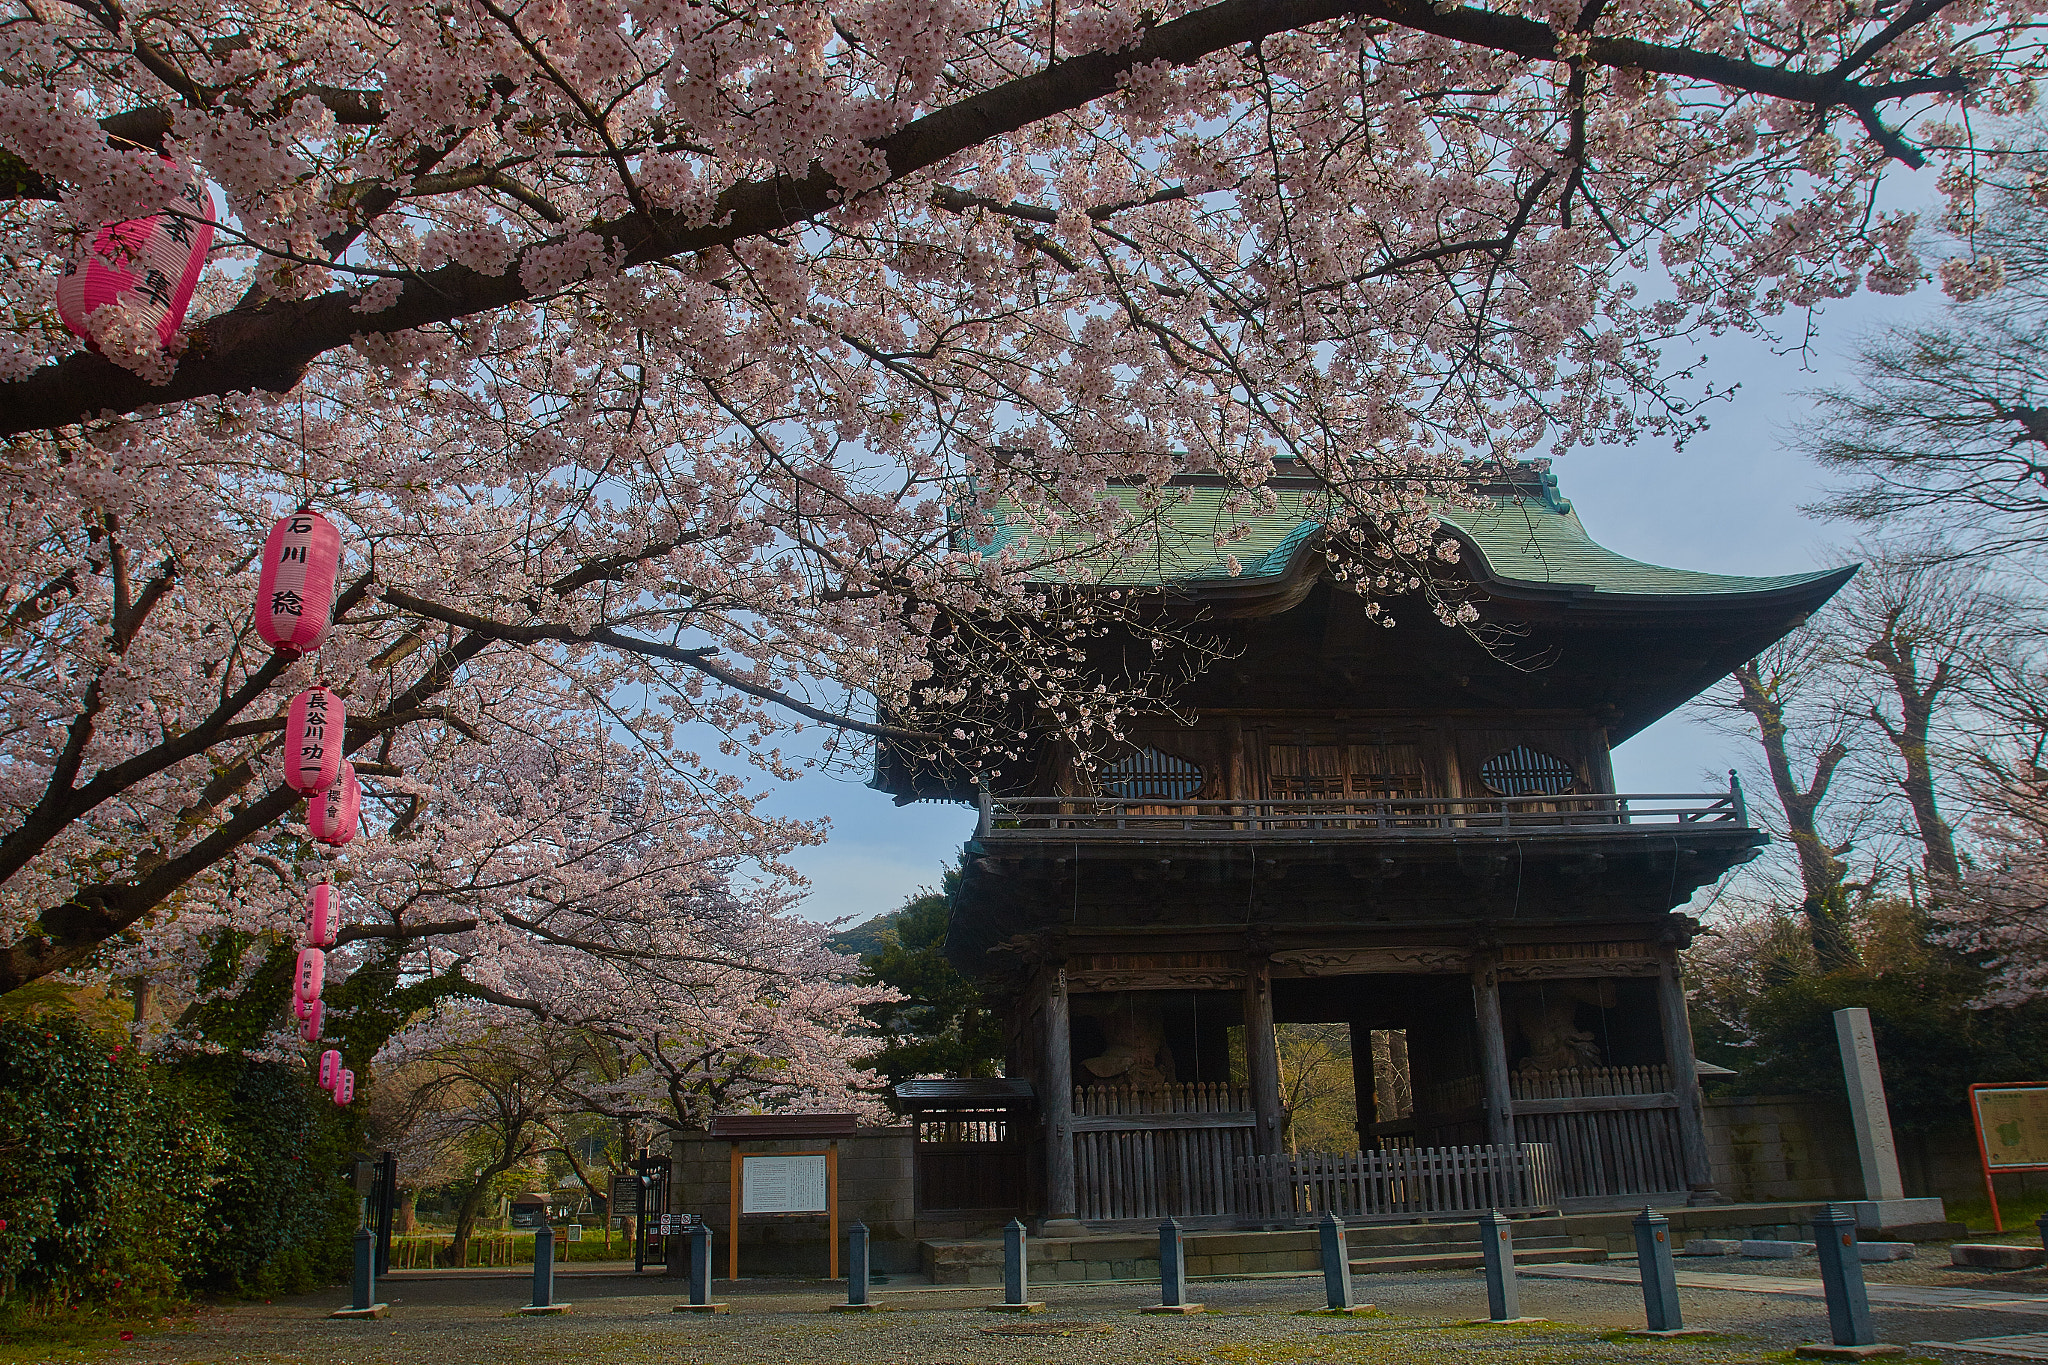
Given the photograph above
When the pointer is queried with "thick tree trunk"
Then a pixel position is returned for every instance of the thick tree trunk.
(1917, 702)
(1824, 904)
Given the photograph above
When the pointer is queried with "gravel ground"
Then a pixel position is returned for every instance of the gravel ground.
(1255, 1322)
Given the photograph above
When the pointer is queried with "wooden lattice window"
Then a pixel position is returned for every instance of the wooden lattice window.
(1523, 771)
(1338, 771)
(1149, 775)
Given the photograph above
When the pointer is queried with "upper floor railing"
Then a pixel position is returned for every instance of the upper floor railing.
(1098, 817)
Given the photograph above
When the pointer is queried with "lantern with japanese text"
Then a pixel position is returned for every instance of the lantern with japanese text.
(345, 1087)
(332, 814)
(330, 1069)
(314, 736)
(295, 591)
(145, 267)
(308, 978)
(323, 915)
(315, 1013)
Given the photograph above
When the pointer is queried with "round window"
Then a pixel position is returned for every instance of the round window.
(1523, 771)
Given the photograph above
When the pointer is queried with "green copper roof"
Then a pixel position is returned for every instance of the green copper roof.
(1532, 540)
(1529, 536)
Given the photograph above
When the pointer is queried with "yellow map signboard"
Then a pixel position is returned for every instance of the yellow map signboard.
(2012, 1122)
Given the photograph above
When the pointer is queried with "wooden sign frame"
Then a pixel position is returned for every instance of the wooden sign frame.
(738, 1183)
(1984, 1143)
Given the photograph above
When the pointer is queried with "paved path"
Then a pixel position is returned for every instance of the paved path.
(1896, 1295)
(2029, 1346)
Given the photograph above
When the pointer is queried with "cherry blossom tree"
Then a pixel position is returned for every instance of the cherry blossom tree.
(667, 365)
(762, 1017)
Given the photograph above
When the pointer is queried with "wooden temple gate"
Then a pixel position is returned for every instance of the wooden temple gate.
(1372, 824)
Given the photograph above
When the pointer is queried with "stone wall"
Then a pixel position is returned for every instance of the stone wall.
(1801, 1147)
(1767, 1147)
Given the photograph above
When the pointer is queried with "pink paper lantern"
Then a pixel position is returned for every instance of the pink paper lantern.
(345, 1087)
(148, 266)
(314, 731)
(311, 974)
(295, 590)
(332, 815)
(323, 913)
(330, 1069)
(315, 1012)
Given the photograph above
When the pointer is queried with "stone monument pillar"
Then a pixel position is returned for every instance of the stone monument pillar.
(1884, 1203)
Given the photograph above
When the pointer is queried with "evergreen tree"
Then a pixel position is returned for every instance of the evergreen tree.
(942, 1026)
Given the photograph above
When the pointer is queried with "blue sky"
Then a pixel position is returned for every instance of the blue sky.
(1728, 503)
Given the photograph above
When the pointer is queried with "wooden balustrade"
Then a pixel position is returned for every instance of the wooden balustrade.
(1086, 817)
(1403, 1182)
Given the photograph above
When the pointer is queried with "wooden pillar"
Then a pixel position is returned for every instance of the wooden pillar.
(1685, 1083)
(1493, 1054)
(1363, 1083)
(1058, 1099)
(1262, 1058)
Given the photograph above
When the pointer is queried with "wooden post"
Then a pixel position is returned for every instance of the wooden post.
(1685, 1083)
(732, 1241)
(1058, 1099)
(1493, 1055)
(1363, 1083)
(832, 1207)
(1262, 1057)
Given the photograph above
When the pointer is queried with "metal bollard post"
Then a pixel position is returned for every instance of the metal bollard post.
(366, 1270)
(363, 1301)
(700, 1272)
(1841, 1275)
(2042, 1224)
(1016, 1274)
(856, 1272)
(544, 1271)
(1173, 1272)
(1337, 1267)
(1660, 1279)
(1497, 1249)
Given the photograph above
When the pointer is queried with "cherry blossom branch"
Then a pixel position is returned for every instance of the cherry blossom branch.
(700, 658)
(268, 344)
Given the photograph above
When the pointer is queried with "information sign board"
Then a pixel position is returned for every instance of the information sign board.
(2014, 1122)
(2012, 1133)
(783, 1184)
(625, 1200)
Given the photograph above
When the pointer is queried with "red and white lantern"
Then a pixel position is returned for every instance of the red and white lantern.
(295, 590)
(314, 738)
(330, 1069)
(332, 815)
(345, 1087)
(323, 915)
(314, 1013)
(308, 979)
(146, 266)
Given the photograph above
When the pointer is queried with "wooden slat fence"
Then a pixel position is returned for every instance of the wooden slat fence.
(1617, 1151)
(1404, 1182)
(1160, 1151)
(1592, 1080)
(1615, 1128)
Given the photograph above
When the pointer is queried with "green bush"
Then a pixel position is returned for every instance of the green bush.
(105, 1181)
(125, 1183)
(282, 1215)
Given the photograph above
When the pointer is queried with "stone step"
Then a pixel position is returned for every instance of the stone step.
(1362, 1250)
(1471, 1260)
